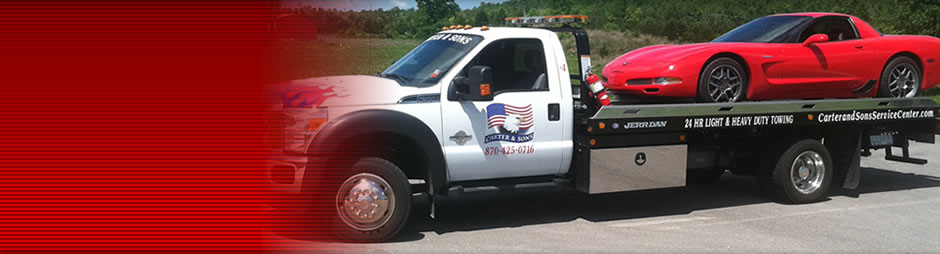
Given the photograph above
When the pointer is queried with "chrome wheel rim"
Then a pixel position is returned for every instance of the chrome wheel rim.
(903, 81)
(725, 84)
(808, 172)
(365, 202)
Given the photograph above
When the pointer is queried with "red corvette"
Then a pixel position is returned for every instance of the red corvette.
(786, 56)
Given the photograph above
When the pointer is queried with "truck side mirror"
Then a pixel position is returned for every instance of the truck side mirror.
(475, 87)
(816, 38)
(481, 78)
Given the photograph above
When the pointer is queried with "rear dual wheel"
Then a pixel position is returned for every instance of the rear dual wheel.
(802, 172)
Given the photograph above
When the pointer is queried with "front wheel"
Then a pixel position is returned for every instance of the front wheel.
(373, 202)
(900, 79)
(722, 80)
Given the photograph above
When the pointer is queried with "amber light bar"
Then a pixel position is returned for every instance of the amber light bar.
(546, 20)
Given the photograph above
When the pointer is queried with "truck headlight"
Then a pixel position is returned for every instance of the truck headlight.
(301, 124)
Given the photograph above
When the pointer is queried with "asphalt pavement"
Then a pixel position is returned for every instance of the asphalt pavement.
(895, 209)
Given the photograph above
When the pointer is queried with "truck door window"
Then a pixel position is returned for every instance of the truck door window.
(518, 65)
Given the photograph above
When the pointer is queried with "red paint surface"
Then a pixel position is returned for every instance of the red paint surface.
(778, 70)
(133, 126)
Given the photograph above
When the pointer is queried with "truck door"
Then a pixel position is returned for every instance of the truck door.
(519, 133)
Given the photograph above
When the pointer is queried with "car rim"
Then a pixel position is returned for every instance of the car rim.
(365, 202)
(724, 84)
(903, 81)
(807, 172)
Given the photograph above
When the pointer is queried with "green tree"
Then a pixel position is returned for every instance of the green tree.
(434, 15)
(437, 10)
(480, 18)
(686, 21)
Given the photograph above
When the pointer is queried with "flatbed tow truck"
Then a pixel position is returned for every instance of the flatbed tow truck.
(496, 107)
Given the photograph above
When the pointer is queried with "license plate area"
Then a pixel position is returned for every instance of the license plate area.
(881, 140)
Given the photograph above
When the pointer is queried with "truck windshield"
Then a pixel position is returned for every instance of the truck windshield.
(428, 62)
(774, 29)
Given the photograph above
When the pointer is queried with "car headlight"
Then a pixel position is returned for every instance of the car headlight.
(301, 124)
(666, 81)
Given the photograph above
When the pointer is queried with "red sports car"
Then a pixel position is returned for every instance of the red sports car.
(786, 56)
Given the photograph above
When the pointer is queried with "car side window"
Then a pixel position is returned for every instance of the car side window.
(838, 29)
(518, 65)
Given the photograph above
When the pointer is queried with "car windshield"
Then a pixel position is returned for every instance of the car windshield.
(776, 29)
(428, 62)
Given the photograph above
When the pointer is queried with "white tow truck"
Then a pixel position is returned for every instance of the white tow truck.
(477, 106)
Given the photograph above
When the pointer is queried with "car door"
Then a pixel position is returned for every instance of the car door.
(826, 69)
(512, 135)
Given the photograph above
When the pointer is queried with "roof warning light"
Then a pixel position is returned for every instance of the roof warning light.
(546, 20)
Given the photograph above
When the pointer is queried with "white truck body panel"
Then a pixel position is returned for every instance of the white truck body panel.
(548, 151)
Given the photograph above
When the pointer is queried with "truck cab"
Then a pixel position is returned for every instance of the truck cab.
(511, 124)
(468, 104)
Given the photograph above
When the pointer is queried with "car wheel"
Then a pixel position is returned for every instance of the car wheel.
(373, 202)
(722, 80)
(801, 174)
(900, 79)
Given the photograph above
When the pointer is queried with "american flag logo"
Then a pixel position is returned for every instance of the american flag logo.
(509, 119)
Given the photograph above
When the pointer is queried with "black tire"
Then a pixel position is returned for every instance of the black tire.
(781, 180)
(704, 176)
(387, 226)
(709, 84)
(896, 67)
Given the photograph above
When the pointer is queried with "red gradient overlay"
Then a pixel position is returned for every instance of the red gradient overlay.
(136, 126)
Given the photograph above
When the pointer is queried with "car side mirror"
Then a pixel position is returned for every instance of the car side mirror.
(816, 38)
(474, 87)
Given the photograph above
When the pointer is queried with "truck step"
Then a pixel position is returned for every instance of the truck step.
(905, 156)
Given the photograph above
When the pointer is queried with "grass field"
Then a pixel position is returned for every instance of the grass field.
(608, 45)
(934, 94)
(349, 56)
(297, 59)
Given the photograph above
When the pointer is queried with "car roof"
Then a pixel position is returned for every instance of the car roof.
(812, 14)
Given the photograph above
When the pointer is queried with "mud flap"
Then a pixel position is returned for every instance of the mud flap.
(845, 148)
(853, 171)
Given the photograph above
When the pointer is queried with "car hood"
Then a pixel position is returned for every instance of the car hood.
(662, 53)
(332, 91)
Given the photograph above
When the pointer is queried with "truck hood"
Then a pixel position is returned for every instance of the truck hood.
(333, 91)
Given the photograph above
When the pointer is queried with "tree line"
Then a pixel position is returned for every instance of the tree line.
(686, 21)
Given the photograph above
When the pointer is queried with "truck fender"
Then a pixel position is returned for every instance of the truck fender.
(332, 136)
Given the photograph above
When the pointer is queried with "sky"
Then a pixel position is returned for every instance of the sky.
(373, 4)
